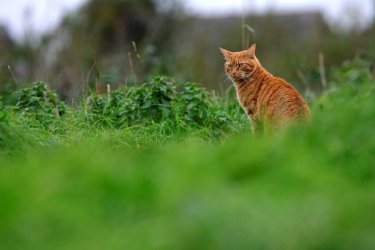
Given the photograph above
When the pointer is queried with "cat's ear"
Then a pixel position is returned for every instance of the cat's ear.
(227, 54)
(251, 51)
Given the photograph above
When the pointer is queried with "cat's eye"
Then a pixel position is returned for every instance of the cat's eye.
(241, 65)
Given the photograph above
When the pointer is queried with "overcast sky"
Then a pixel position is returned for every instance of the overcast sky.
(41, 15)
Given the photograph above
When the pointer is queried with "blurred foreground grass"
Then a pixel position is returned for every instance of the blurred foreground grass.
(310, 187)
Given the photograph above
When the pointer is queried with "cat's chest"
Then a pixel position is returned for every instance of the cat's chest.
(248, 103)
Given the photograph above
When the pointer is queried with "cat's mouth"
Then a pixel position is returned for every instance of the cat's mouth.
(241, 77)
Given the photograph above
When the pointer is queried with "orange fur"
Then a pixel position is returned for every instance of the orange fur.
(270, 102)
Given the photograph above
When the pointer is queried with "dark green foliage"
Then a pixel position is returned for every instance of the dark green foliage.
(355, 72)
(193, 104)
(39, 103)
(2, 112)
(350, 83)
(155, 100)
(2, 123)
(158, 101)
(197, 107)
(151, 102)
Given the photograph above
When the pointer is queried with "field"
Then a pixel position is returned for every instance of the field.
(171, 166)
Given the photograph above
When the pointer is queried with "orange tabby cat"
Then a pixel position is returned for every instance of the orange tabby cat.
(270, 102)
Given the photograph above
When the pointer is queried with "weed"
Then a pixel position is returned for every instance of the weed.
(39, 103)
(3, 114)
(3, 120)
(158, 100)
(353, 72)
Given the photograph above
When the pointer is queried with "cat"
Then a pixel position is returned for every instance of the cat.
(270, 102)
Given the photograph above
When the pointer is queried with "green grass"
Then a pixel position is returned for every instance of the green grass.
(73, 183)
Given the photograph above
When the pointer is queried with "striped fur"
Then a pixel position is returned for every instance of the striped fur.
(270, 102)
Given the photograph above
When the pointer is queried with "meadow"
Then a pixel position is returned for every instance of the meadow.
(168, 165)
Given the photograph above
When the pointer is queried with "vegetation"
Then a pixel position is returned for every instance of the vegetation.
(169, 165)
(159, 101)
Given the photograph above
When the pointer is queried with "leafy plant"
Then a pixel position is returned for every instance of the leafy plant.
(133, 105)
(2, 112)
(159, 101)
(353, 72)
(198, 107)
(40, 103)
(2, 121)
(155, 99)
(193, 104)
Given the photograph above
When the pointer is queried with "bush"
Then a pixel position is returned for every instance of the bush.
(133, 105)
(2, 112)
(39, 103)
(357, 71)
(2, 124)
(158, 101)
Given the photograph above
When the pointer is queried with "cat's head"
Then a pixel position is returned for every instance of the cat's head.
(241, 65)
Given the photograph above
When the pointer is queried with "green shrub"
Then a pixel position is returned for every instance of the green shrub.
(39, 103)
(2, 112)
(357, 71)
(133, 105)
(2, 123)
(158, 101)
(193, 104)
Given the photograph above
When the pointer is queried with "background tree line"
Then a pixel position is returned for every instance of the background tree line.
(126, 42)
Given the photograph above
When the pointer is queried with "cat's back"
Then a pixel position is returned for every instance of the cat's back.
(280, 100)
